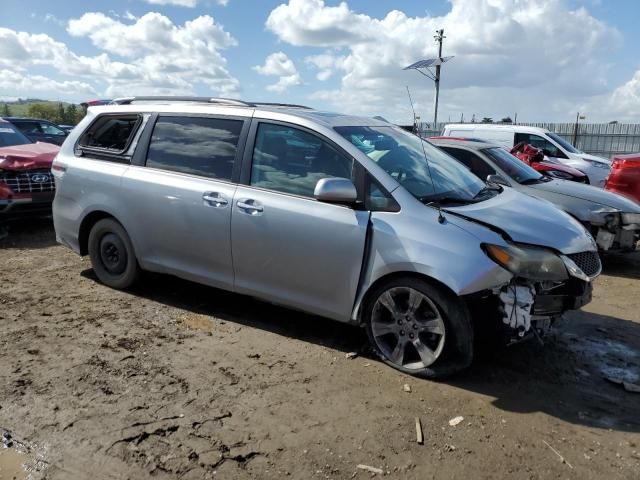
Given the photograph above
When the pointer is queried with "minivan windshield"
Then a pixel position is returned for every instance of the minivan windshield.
(563, 143)
(516, 169)
(436, 178)
(10, 135)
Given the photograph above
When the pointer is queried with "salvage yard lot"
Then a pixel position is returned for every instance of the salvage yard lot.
(177, 380)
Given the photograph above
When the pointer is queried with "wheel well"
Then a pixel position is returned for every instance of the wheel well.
(86, 226)
(394, 275)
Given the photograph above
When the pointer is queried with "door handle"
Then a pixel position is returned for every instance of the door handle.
(214, 199)
(250, 206)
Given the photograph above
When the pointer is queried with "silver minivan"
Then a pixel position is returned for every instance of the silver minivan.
(345, 217)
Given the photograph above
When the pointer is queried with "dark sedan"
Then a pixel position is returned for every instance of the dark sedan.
(39, 130)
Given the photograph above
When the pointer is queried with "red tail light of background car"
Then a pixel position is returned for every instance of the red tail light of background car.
(624, 177)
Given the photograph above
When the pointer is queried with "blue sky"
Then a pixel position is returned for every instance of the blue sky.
(544, 59)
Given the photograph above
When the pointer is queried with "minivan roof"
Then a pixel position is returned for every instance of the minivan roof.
(327, 119)
(492, 126)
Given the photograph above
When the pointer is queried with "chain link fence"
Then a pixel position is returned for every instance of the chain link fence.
(602, 139)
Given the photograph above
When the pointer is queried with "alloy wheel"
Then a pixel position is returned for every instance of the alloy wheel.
(408, 328)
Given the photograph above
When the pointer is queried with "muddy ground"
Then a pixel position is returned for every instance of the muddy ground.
(175, 380)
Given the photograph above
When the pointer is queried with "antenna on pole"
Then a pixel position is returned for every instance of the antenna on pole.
(424, 67)
(415, 119)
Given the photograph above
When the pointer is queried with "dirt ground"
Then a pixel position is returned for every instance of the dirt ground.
(175, 380)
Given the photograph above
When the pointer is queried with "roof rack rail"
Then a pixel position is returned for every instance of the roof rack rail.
(223, 101)
(218, 100)
(270, 104)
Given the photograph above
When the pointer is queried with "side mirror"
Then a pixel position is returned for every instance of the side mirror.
(497, 179)
(335, 190)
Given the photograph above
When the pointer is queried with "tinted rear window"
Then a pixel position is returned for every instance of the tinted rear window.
(10, 136)
(195, 145)
(111, 132)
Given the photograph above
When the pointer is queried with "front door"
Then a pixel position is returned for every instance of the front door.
(287, 247)
(180, 201)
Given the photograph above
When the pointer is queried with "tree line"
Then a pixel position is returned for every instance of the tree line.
(54, 112)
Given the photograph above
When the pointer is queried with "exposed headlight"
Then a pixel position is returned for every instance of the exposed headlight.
(597, 164)
(532, 263)
(628, 218)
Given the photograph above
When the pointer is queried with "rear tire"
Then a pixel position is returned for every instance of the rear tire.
(112, 256)
(419, 328)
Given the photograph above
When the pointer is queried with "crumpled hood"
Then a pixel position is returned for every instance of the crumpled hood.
(530, 220)
(590, 193)
(28, 157)
(588, 156)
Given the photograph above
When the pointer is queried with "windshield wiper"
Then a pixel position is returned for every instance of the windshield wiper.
(531, 181)
(431, 200)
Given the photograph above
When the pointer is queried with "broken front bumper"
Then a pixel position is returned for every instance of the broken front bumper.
(573, 295)
(615, 231)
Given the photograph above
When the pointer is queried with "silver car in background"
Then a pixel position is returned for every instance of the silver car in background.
(345, 217)
(612, 219)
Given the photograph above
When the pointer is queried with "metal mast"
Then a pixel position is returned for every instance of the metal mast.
(439, 36)
(424, 67)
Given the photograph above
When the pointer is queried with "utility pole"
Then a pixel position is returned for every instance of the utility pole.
(430, 68)
(439, 36)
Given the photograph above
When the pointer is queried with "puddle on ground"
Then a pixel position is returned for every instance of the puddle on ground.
(614, 360)
(196, 321)
(13, 464)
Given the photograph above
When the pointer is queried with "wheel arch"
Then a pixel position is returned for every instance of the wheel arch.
(366, 295)
(87, 224)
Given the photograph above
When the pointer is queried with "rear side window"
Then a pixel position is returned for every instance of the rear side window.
(30, 128)
(110, 133)
(195, 145)
(542, 143)
(478, 166)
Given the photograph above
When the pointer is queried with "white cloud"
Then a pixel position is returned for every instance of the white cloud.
(536, 57)
(21, 84)
(152, 55)
(624, 103)
(179, 3)
(279, 65)
(325, 63)
(183, 3)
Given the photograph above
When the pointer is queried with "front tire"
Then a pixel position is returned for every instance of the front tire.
(419, 328)
(112, 256)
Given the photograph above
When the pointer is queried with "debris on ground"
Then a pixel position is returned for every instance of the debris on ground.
(562, 459)
(407, 388)
(419, 436)
(351, 355)
(6, 439)
(455, 421)
(449, 448)
(370, 469)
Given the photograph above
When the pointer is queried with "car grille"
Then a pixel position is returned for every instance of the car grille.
(30, 181)
(588, 262)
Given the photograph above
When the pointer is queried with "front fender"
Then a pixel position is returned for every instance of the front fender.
(447, 252)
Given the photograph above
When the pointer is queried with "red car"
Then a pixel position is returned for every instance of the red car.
(624, 177)
(26, 182)
(534, 157)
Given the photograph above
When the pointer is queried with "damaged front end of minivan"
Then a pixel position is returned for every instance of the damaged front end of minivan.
(545, 285)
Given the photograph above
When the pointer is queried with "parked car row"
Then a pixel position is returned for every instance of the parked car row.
(555, 148)
(346, 217)
(612, 219)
